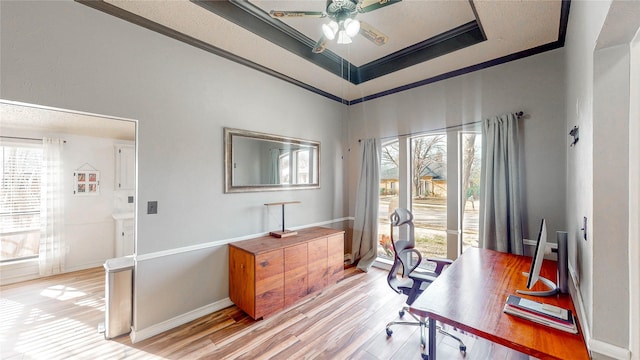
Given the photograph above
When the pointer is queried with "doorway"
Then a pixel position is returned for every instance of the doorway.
(91, 197)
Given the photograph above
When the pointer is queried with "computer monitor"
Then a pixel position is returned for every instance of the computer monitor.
(536, 264)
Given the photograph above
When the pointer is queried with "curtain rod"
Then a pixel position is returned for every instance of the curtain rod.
(25, 138)
(518, 114)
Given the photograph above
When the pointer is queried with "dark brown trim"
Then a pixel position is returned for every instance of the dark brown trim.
(328, 58)
(245, 14)
(161, 29)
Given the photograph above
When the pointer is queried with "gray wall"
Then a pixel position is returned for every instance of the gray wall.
(63, 54)
(533, 85)
(67, 55)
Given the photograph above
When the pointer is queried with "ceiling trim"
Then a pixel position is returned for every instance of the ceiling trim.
(245, 14)
(461, 31)
(161, 29)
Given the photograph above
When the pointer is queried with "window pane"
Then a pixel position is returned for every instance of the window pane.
(388, 197)
(20, 201)
(471, 157)
(429, 194)
(284, 169)
(302, 166)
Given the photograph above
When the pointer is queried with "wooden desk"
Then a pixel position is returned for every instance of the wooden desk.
(471, 294)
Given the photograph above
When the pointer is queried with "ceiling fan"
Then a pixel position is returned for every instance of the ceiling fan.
(342, 14)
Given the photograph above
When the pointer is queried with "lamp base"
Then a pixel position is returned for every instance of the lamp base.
(284, 233)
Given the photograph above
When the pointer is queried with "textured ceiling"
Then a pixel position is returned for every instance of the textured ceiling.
(26, 117)
(422, 45)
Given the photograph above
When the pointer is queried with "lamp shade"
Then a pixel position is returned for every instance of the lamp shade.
(329, 30)
(343, 38)
(352, 27)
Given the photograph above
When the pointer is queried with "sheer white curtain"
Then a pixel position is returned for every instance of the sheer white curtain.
(52, 246)
(365, 228)
(500, 215)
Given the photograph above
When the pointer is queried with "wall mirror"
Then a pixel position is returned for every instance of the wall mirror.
(263, 162)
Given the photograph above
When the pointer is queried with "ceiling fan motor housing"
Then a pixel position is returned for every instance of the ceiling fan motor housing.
(339, 10)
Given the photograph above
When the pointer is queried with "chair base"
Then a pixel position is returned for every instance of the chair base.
(423, 323)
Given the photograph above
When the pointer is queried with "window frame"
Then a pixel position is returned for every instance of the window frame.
(35, 209)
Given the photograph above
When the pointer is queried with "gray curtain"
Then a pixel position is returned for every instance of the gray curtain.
(500, 215)
(364, 247)
(274, 167)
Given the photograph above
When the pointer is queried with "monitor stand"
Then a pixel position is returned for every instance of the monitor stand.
(563, 271)
(553, 289)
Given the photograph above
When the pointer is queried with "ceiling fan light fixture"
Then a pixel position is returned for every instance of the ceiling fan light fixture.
(343, 38)
(329, 30)
(352, 27)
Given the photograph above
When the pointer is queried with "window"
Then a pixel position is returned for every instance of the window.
(302, 166)
(284, 168)
(429, 193)
(426, 188)
(389, 181)
(297, 165)
(471, 156)
(20, 201)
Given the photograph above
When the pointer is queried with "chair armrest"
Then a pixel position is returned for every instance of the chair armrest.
(441, 264)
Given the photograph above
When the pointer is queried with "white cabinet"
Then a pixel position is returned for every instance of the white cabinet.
(124, 234)
(125, 167)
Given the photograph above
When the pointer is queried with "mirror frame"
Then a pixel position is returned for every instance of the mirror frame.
(229, 187)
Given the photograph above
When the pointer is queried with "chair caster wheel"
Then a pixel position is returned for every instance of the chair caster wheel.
(389, 332)
(425, 357)
(401, 313)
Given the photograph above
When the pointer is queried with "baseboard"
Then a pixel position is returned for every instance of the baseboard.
(85, 266)
(18, 271)
(142, 334)
(594, 346)
(29, 270)
(608, 350)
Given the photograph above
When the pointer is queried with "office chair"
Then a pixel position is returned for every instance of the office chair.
(412, 282)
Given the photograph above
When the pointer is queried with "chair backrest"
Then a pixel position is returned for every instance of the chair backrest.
(402, 218)
(406, 257)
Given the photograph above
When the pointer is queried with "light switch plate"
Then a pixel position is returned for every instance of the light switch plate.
(152, 207)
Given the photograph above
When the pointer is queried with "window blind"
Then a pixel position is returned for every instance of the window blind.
(20, 188)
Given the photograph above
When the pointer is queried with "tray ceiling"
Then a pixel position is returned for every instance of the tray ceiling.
(429, 40)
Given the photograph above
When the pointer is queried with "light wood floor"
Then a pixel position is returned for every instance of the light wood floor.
(57, 318)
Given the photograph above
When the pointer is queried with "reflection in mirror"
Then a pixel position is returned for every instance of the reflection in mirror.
(260, 162)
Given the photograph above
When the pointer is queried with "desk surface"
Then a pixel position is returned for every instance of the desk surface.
(471, 294)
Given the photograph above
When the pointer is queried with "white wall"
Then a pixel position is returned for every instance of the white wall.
(533, 85)
(579, 47)
(89, 227)
(67, 55)
(598, 100)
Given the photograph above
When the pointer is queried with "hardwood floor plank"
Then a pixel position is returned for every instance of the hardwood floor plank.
(57, 318)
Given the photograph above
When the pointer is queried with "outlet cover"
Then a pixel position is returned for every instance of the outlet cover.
(152, 207)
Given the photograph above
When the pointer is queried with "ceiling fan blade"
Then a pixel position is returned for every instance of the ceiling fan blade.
(282, 14)
(372, 34)
(320, 45)
(370, 5)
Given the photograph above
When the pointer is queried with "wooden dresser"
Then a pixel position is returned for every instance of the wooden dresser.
(269, 274)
